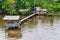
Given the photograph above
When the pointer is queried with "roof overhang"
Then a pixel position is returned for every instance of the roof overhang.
(8, 17)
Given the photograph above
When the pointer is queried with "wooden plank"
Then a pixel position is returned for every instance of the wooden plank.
(27, 17)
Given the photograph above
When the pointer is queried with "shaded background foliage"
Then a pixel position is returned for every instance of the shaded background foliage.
(12, 6)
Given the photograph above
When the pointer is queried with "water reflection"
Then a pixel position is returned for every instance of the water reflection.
(12, 33)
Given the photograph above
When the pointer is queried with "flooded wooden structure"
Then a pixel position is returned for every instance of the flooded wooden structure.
(11, 20)
(12, 29)
(41, 11)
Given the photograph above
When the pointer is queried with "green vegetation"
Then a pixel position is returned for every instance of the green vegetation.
(12, 6)
(26, 12)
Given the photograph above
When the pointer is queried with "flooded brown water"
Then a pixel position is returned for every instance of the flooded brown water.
(36, 28)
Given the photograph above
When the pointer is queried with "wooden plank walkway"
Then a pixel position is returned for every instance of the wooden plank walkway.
(26, 18)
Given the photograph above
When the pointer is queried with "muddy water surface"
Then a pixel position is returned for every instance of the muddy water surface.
(36, 28)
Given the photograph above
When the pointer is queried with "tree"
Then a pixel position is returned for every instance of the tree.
(9, 5)
(12, 6)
